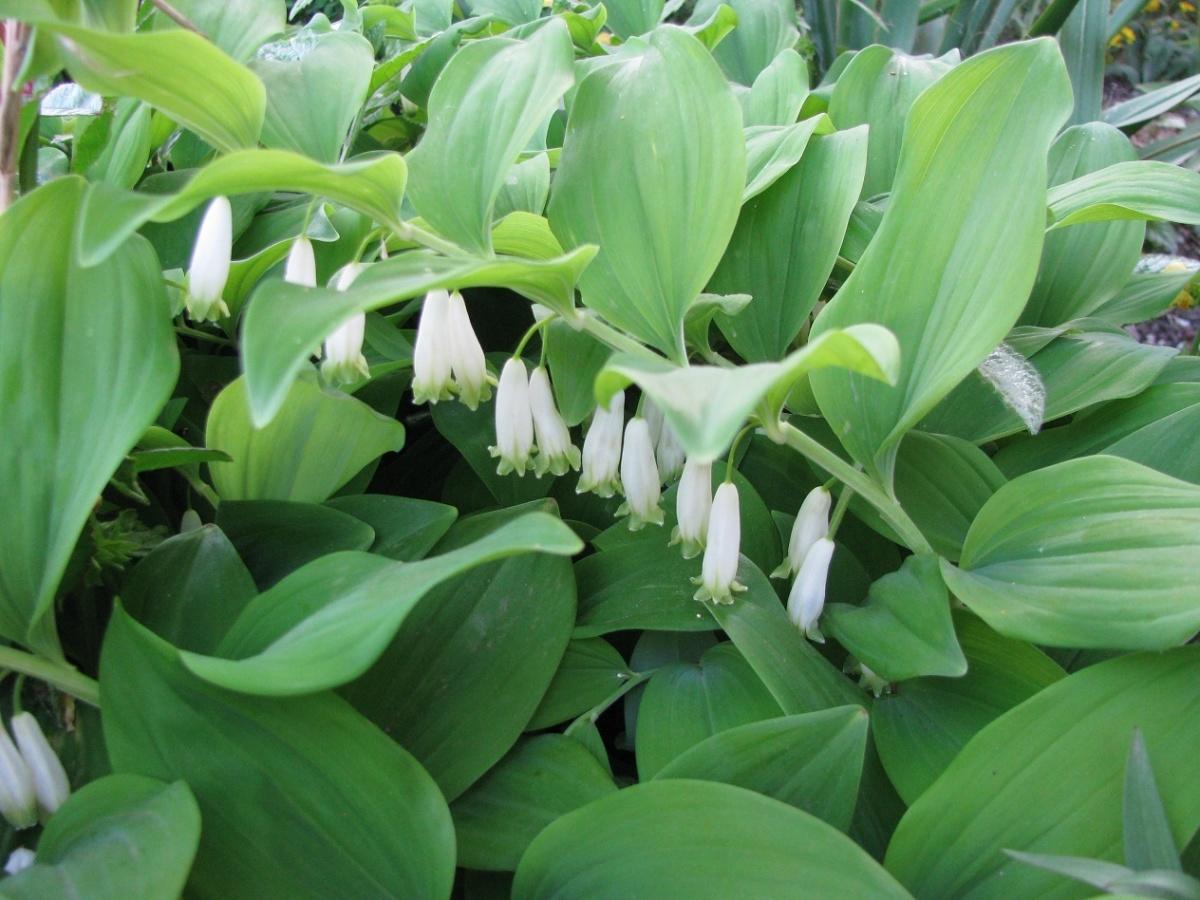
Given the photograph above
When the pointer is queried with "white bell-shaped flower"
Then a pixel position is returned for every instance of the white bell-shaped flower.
(654, 420)
(669, 454)
(301, 265)
(555, 452)
(807, 598)
(208, 270)
(431, 351)
(602, 449)
(639, 477)
(344, 361)
(812, 523)
(722, 546)
(467, 362)
(693, 503)
(18, 798)
(19, 860)
(514, 419)
(50, 782)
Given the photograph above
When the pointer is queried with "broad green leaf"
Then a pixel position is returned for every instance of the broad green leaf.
(1094, 872)
(1142, 189)
(811, 761)
(649, 270)
(239, 27)
(706, 405)
(778, 92)
(405, 529)
(590, 671)
(123, 159)
(541, 779)
(1084, 41)
(1147, 295)
(627, 18)
(315, 85)
(765, 28)
(919, 729)
(786, 243)
(1094, 552)
(299, 797)
(121, 836)
(772, 150)
(319, 441)
(178, 72)
(285, 321)
(684, 703)
(877, 89)
(1149, 843)
(642, 585)
(525, 188)
(700, 838)
(904, 629)
(190, 589)
(511, 12)
(956, 253)
(574, 358)
(1151, 104)
(1047, 778)
(1084, 267)
(328, 622)
(87, 359)
(372, 185)
(487, 104)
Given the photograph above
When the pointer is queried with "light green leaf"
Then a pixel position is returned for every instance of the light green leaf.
(1142, 189)
(1151, 104)
(1149, 843)
(765, 28)
(778, 92)
(1147, 295)
(405, 528)
(511, 12)
(525, 189)
(956, 253)
(632, 135)
(1084, 41)
(1094, 552)
(485, 107)
(239, 27)
(772, 150)
(627, 18)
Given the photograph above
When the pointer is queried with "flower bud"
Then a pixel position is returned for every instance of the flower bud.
(466, 355)
(431, 352)
(555, 452)
(18, 799)
(807, 597)
(669, 453)
(49, 778)
(344, 361)
(602, 449)
(514, 419)
(693, 504)
(812, 523)
(301, 265)
(722, 546)
(639, 477)
(19, 860)
(209, 268)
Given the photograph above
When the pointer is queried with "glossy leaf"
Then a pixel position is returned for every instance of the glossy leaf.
(405, 529)
(1143, 189)
(643, 585)
(591, 670)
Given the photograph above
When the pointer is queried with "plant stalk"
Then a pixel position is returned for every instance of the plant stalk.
(60, 675)
(16, 45)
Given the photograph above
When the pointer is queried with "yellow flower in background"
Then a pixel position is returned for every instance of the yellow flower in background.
(1128, 34)
(1154, 6)
(1184, 6)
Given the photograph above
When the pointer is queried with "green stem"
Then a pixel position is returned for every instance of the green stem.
(860, 483)
(734, 446)
(60, 675)
(1052, 18)
(590, 717)
(528, 335)
(605, 333)
(410, 232)
(839, 511)
(203, 336)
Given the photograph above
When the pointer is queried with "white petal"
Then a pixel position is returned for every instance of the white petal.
(807, 598)
(812, 523)
(639, 475)
(209, 267)
(49, 778)
(431, 352)
(18, 799)
(514, 419)
(301, 265)
(693, 504)
(602, 449)
(722, 546)
(467, 362)
(19, 860)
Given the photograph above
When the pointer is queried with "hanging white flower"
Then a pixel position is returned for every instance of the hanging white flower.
(555, 452)
(431, 352)
(301, 265)
(208, 270)
(812, 523)
(50, 782)
(514, 419)
(467, 363)
(344, 361)
(807, 598)
(722, 547)
(639, 477)
(19, 860)
(18, 799)
(669, 453)
(693, 504)
(602, 449)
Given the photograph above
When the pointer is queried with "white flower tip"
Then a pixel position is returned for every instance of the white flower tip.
(49, 778)
(301, 265)
(19, 860)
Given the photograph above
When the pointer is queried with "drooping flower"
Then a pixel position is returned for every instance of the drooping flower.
(514, 419)
(812, 522)
(555, 452)
(431, 353)
(208, 270)
(807, 598)
(722, 545)
(19, 860)
(18, 799)
(301, 264)
(693, 504)
(669, 453)
(639, 477)
(602, 449)
(467, 362)
(50, 782)
(344, 361)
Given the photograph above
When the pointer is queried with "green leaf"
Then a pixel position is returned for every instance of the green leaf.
(485, 107)
(778, 92)
(922, 727)
(574, 358)
(812, 761)
(877, 89)
(299, 797)
(1142, 189)
(526, 188)
(786, 243)
(511, 12)
(1146, 295)
(88, 361)
(371, 184)
(328, 622)
(239, 27)
(541, 779)
(319, 441)
(1093, 552)
(285, 321)
(1047, 778)
(315, 85)
(904, 629)
(638, 585)
(1149, 843)
(684, 703)
(120, 836)
(590, 671)
(772, 150)
(765, 28)
(1151, 104)
(632, 135)
(405, 529)
(190, 589)
(707, 405)
(1084, 41)
(627, 18)
(1095, 872)
(177, 72)
(699, 837)
(956, 253)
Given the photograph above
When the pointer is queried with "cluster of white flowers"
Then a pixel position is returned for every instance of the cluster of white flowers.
(809, 554)
(447, 357)
(529, 428)
(33, 782)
